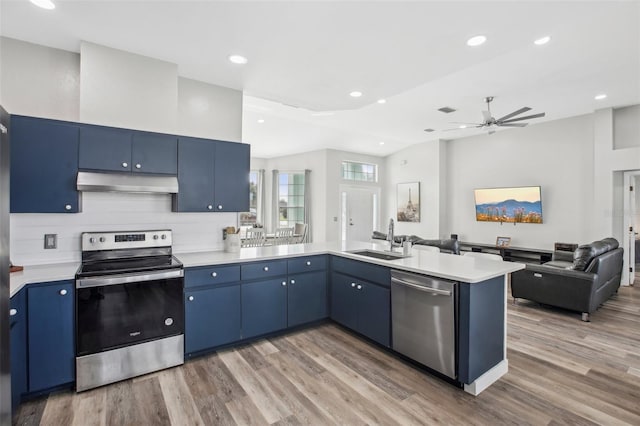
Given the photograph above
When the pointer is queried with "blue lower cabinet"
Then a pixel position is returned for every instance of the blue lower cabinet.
(51, 335)
(307, 298)
(212, 317)
(18, 345)
(344, 300)
(264, 307)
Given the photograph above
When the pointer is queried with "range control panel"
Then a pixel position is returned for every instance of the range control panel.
(92, 241)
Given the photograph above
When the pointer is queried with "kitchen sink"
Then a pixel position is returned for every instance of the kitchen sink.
(384, 255)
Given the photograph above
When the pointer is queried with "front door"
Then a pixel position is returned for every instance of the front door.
(359, 208)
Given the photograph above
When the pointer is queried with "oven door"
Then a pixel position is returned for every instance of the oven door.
(120, 310)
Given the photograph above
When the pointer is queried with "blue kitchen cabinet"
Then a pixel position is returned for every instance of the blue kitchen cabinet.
(213, 176)
(264, 307)
(44, 165)
(18, 345)
(306, 298)
(105, 148)
(362, 306)
(154, 153)
(195, 175)
(231, 177)
(51, 335)
(212, 317)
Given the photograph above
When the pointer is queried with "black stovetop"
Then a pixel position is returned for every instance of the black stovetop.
(128, 265)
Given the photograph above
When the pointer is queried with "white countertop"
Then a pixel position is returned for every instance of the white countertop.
(442, 265)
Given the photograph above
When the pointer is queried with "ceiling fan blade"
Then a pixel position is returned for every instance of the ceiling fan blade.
(513, 124)
(469, 124)
(486, 115)
(528, 117)
(514, 113)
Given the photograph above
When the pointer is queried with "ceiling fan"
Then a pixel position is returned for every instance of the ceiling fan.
(507, 121)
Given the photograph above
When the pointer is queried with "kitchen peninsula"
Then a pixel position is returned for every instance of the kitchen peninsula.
(234, 297)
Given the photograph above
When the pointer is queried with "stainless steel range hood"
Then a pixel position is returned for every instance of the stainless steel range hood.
(115, 182)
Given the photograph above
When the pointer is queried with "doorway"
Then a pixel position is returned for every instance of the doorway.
(359, 212)
(631, 229)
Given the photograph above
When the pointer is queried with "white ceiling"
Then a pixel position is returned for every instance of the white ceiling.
(312, 54)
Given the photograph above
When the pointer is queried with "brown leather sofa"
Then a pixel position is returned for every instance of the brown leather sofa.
(581, 285)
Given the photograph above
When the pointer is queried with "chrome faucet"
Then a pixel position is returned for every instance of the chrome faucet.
(390, 238)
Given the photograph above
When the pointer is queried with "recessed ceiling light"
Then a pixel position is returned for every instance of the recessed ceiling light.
(476, 41)
(382, 101)
(45, 4)
(462, 126)
(261, 120)
(381, 143)
(238, 59)
(600, 97)
(543, 40)
(355, 94)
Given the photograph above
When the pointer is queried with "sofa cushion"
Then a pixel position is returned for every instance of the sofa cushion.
(562, 264)
(584, 254)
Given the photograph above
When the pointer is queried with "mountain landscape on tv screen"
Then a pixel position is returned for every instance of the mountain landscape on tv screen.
(510, 211)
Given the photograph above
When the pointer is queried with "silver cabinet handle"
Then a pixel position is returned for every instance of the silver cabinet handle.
(191, 298)
(293, 281)
(13, 312)
(266, 268)
(308, 263)
(63, 292)
(284, 283)
(210, 207)
(67, 207)
(214, 274)
(138, 165)
(353, 285)
(359, 287)
(125, 165)
(219, 206)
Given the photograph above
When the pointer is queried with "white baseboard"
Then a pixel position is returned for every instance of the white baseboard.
(488, 378)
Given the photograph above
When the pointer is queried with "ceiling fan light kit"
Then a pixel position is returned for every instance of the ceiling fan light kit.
(509, 120)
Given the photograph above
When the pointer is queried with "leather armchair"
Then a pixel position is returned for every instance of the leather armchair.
(583, 285)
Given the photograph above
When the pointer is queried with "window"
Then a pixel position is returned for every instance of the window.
(359, 171)
(290, 199)
(248, 219)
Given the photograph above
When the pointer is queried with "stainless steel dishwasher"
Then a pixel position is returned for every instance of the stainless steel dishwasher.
(423, 320)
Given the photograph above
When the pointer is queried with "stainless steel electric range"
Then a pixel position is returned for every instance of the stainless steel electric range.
(129, 307)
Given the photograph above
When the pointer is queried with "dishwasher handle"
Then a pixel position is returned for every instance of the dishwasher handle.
(421, 287)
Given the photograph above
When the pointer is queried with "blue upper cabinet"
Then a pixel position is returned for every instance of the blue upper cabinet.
(195, 175)
(105, 148)
(51, 335)
(231, 177)
(44, 165)
(213, 176)
(154, 153)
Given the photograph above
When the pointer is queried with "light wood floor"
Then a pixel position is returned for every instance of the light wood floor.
(561, 371)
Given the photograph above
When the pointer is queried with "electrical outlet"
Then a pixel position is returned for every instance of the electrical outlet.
(50, 241)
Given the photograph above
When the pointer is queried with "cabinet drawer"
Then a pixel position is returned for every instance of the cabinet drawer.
(257, 270)
(307, 263)
(207, 275)
(368, 271)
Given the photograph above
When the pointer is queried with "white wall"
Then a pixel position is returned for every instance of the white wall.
(39, 81)
(31, 85)
(626, 127)
(556, 155)
(417, 163)
(122, 89)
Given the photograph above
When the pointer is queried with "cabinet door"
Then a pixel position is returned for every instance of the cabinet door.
(212, 317)
(154, 153)
(195, 175)
(105, 148)
(344, 304)
(18, 344)
(51, 335)
(264, 307)
(232, 177)
(44, 165)
(307, 298)
(374, 320)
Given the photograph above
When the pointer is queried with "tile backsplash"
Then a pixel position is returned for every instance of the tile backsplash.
(109, 211)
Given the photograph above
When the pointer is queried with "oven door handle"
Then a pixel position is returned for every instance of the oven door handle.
(128, 278)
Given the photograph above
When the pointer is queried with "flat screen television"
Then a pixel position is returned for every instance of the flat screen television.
(512, 205)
